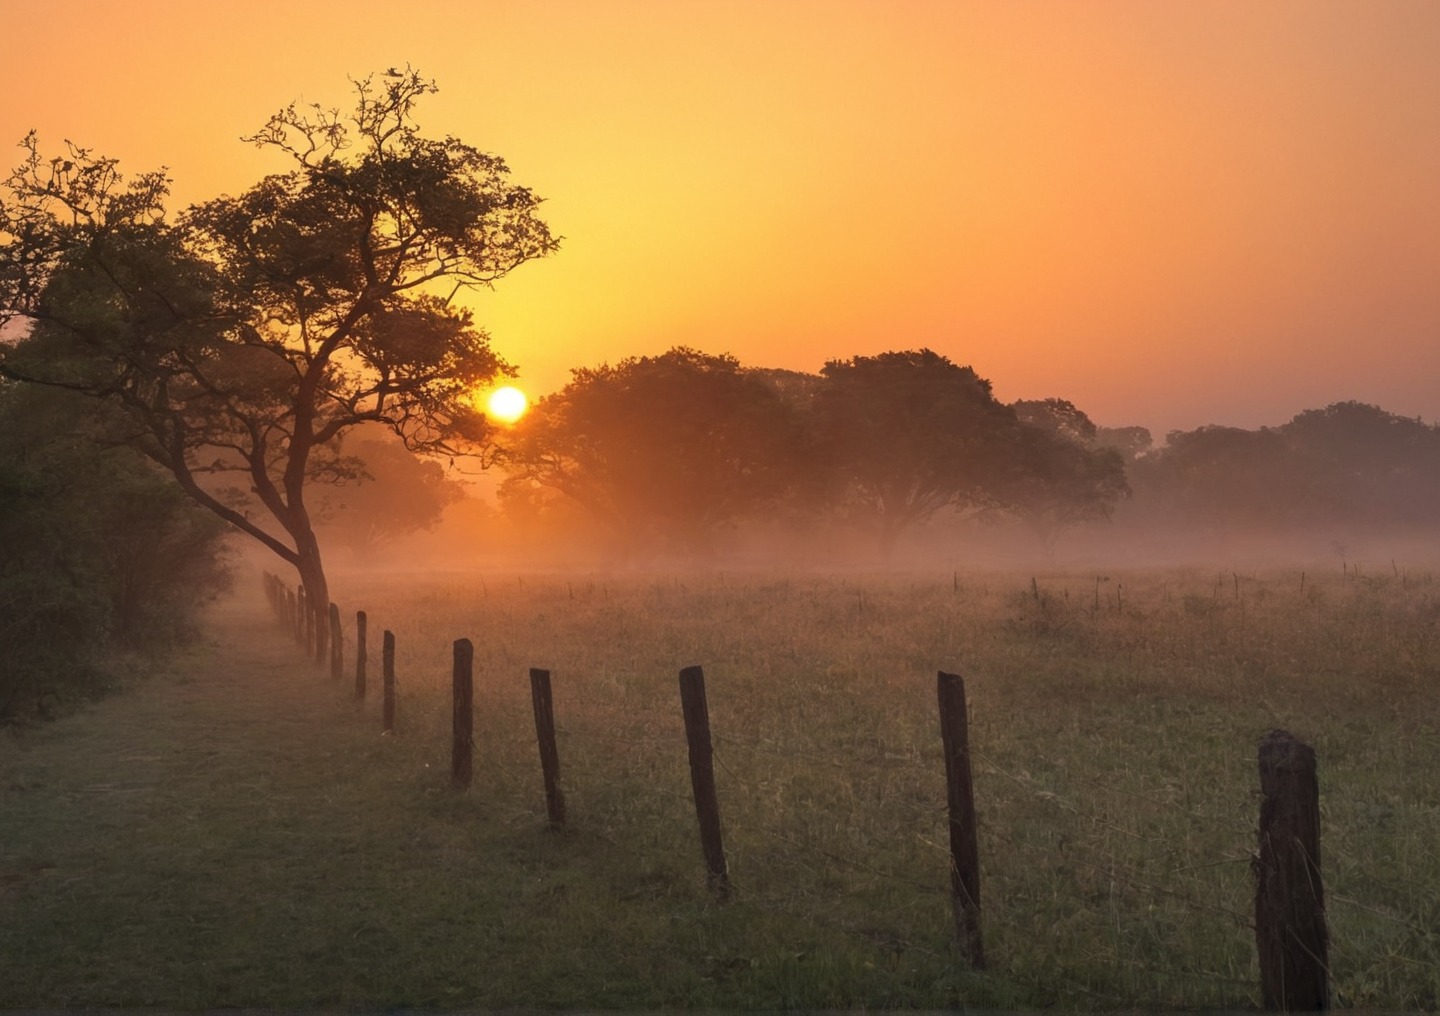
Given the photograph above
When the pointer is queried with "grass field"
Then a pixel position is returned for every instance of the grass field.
(236, 832)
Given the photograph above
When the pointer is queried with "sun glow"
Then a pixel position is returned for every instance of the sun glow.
(506, 404)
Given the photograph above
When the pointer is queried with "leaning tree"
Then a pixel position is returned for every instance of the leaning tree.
(247, 334)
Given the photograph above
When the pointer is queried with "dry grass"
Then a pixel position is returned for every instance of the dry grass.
(236, 832)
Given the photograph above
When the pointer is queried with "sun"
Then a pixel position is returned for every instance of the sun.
(506, 404)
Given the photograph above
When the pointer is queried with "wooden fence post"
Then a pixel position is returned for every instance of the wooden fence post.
(702, 777)
(320, 631)
(960, 800)
(290, 611)
(1290, 932)
(387, 677)
(302, 611)
(541, 699)
(337, 647)
(463, 741)
(360, 653)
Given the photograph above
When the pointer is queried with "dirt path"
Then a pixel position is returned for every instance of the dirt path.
(242, 686)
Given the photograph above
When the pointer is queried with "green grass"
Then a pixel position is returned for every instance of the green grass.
(235, 831)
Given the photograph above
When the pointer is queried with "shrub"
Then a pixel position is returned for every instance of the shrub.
(97, 550)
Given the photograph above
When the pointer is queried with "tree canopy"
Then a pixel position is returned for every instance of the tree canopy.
(1061, 475)
(1349, 466)
(909, 433)
(394, 493)
(665, 451)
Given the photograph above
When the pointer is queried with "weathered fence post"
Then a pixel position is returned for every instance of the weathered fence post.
(702, 777)
(337, 647)
(1290, 932)
(291, 611)
(360, 653)
(541, 699)
(960, 799)
(462, 747)
(320, 631)
(302, 611)
(387, 677)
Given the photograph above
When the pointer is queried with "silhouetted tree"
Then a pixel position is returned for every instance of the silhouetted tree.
(1370, 466)
(665, 451)
(1221, 480)
(1130, 442)
(1345, 467)
(1060, 417)
(1058, 477)
(910, 433)
(252, 331)
(395, 493)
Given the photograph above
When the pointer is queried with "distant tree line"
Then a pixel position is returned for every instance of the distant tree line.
(678, 455)
(672, 454)
(1347, 468)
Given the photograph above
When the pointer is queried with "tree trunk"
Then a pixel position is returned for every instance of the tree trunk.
(312, 574)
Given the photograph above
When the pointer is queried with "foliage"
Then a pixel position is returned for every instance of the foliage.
(1346, 468)
(909, 433)
(1376, 467)
(1060, 417)
(251, 332)
(396, 493)
(1216, 478)
(97, 551)
(670, 452)
(1060, 477)
(665, 451)
(1130, 442)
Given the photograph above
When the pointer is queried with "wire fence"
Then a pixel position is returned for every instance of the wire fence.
(1169, 844)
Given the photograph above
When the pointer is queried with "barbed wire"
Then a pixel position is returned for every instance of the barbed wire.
(808, 856)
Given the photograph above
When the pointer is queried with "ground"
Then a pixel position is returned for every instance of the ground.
(235, 830)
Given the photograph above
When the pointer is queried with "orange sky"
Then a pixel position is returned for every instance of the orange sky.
(1171, 213)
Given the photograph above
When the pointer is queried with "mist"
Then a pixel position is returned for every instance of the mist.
(1350, 486)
